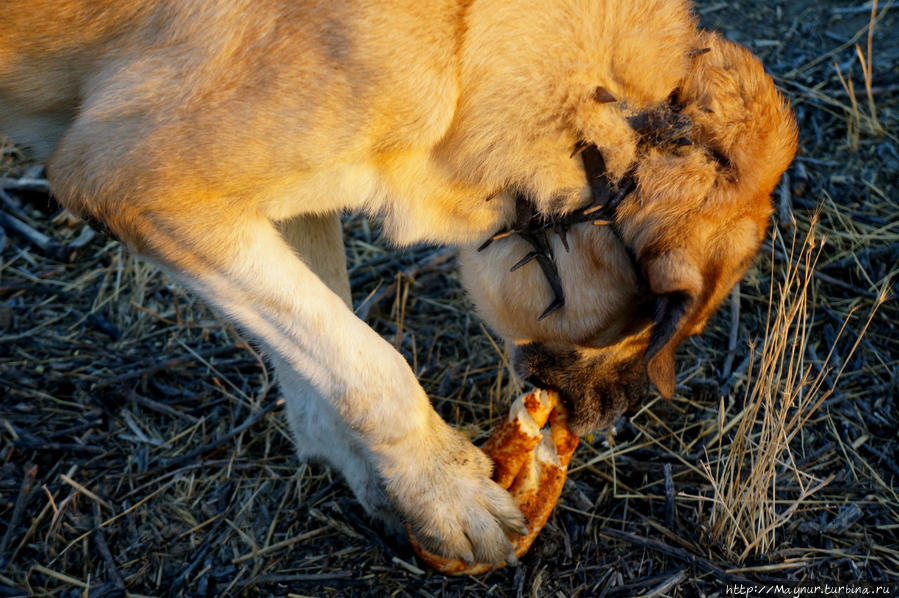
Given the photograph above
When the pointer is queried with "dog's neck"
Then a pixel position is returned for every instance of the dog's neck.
(535, 227)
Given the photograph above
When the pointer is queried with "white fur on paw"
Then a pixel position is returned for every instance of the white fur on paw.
(454, 508)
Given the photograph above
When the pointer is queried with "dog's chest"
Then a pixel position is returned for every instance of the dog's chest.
(415, 200)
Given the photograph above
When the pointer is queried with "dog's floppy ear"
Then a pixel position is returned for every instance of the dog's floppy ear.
(676, 283)
(670, 310)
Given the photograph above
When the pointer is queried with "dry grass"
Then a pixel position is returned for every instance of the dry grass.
(857, 120)
(783, 392)
(143, 449)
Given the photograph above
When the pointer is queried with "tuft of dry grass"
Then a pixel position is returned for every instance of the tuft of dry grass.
(859, 122)
(783, 392)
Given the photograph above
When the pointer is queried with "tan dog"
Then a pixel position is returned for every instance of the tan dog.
(220, 139)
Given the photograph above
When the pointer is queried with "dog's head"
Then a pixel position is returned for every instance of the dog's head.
(694, 210)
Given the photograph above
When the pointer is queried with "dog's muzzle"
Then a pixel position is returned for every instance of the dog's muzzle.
(597, 387)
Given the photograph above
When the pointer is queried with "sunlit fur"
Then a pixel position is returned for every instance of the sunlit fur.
(697, 220)
(221, 139)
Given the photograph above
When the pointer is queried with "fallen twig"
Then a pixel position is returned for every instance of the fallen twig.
(48, 246)
(250, 421)
(677, 553)
(18, 509)
(166, 364)
(103, 548)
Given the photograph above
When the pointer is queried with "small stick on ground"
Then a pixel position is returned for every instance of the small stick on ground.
(784, 204)
(734, 331)
(48, 246)
(18, 509)
(669, 497)
(190, 456)
(666, 586)
(161, 408)
(165, 365)
(677, 553)
(103, 548)
(60, 447)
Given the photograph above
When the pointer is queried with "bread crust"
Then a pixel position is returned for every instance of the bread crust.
(530, 462)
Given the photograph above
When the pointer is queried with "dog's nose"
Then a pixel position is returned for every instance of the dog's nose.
(527, 367)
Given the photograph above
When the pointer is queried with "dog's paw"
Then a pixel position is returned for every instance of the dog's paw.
(452, 506)
(379, 507)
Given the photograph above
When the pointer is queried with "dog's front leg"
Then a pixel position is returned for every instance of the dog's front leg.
(320, 434)
(437, 480)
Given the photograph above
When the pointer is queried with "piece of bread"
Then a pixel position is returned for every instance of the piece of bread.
(530, 463)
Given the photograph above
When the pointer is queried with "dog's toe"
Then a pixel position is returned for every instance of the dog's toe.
(456, 510)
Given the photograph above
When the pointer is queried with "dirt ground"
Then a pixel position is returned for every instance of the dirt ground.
(143, 451)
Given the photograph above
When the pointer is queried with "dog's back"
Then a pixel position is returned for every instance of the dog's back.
(190, 93)
(45, 49)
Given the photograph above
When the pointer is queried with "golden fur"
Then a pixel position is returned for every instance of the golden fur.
(694, 225)
(221, 139)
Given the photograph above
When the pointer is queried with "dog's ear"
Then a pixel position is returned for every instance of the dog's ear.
(676, 283)
(670, 310)
(703, 209)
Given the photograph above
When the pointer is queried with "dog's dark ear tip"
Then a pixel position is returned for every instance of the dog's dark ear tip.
(670, 309)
